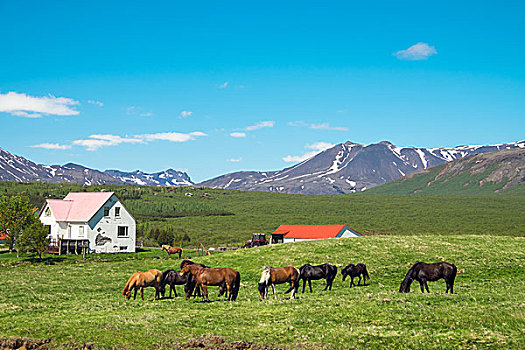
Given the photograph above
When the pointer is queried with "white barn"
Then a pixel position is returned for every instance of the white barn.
(95, 220)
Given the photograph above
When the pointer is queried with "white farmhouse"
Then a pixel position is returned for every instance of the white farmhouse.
(96, 221)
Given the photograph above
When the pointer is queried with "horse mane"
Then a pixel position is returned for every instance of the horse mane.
(265, 275)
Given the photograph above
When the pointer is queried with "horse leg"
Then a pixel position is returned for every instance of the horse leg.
(359, 282)
(422, 286)
(274, 294)
(352, 281)
(229, 290)
(310, 285)
(292, 284)
(304, 284)
(426, 286)
(135, 296)
(174, 291)
(142, 293)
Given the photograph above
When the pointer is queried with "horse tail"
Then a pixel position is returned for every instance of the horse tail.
(236, 286)
(365, 273)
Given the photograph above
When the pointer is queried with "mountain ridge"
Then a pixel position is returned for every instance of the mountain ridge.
(20, 169)
(350, 167)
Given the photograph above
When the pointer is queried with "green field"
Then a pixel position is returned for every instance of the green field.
(74, 302)
(228, 218)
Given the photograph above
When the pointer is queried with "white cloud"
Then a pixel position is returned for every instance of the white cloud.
(172, 136)
(417, 52)
(238, 134)
(315, 148)
(224, 85)
(260, 125)
(23, 105)
(51, 146)
(136, 110)
(97, 141)
(235, 160)
(185, 114)
(98, 103)
(326, 126)
(321, 126)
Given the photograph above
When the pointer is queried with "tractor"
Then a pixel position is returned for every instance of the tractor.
(258, 239)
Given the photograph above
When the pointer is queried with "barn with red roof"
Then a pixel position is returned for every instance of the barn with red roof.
(96, 221)
(295, 233)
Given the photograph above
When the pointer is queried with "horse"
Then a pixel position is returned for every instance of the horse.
(272, 276)
(423, 272)
(218, 276)
(355, 271)
(191, 283)
(172, 250)
(151, 278)
(308, 273)
(172, 278)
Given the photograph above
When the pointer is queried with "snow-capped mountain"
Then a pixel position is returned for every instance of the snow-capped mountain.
(16, 168)
(349, 167)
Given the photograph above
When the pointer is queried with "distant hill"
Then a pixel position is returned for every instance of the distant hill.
(349, 167)
(16, 168)
(477, 174)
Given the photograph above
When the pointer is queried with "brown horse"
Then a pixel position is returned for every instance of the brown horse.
(214, 277)
(151, 278)
(272, 276)
(172, 250)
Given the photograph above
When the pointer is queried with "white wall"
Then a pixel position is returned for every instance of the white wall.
(58, 230)
(107, 226)
(347, 233)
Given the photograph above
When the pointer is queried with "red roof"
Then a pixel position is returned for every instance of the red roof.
(309, 231)
(78, 206)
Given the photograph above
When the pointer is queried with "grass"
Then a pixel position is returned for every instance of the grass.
(229, 217)
(75, 302)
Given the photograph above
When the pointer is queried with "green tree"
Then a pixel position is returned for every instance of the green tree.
(34, 238)
(15, 215)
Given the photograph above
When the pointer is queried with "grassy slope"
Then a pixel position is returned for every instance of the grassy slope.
(81, 302)
(496, 214)
(463, 184)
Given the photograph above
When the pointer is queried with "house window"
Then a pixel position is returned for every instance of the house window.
(48, 212)
(122, 231)
(81, 231)
(106, 211)
(117, 212)
(123, 247)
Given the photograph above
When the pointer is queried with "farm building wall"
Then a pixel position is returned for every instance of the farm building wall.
(113, 233)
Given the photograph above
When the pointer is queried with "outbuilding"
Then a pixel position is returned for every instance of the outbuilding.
(92, 222)
(295, 233)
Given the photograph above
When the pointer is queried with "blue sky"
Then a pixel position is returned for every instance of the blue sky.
(211, 87)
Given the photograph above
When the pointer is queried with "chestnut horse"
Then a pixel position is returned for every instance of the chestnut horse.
(218, 276)
(172, 250)
(151, 278)
(272, 276)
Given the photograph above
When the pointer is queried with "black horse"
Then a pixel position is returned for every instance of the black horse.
(355, 271)
(172, 278)
(423, 272)
(189, 287)
(308, 273)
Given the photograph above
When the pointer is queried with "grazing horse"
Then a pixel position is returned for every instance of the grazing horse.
(272, 276)
(172, 250)
(308, 273)
(191, 283)
(140, 280)
(423, 272)
(218, 276)
(355, 271)
(172, 278)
